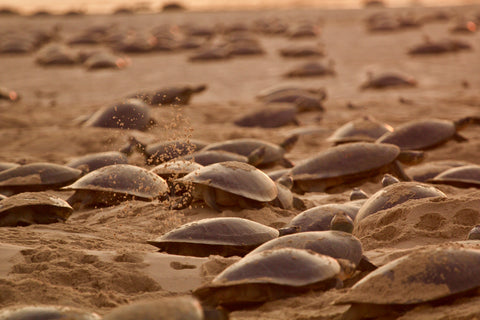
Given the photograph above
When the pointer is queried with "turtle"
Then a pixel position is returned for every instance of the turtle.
(350, 164)
(9, 95)
(304, 99)
(7, 165)
(366, 128)
(94, 161)
(319, 218)
(38, 176)
(270, 275)
(174, 169)
(28, 208)
(304, 30)
(429, 170)
(288, 93)
(439, 46)
(424, 276)
(302, 51)
(173, 6)
(55, 54)
(277, 174)
(395, 194)
(46, 312)
(312, 69)
(474, 234)
(17, 44)
(179, 95)
(208, 157)
(157, 153)
(426, 134)
(129, 114)
(269, 118)
(462, 177)
(105, 60)
(243, 48)
(210, 54)
(173, 308)
(229, 183)
(333, 243)
(464, 26)
(113, 184)
(224, 236)
(274, 154)
(387, 80)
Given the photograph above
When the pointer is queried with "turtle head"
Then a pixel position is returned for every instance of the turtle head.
(411, 156)
(289, 143)
(347, 269)
(286, 180)
(342, 222)
(388, 179)
(358, 194)
(464, 122)
(288, 230)
(132, 145)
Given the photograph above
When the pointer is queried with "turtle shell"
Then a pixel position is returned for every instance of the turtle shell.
(94, 161)
(429, 170)
(225, 236)
(175, 95)
(344, 163)
(237, 178)
(165, 151)
(173, 308)
(33, 207)
(388, 80)
(245, 147)
(269, 118)
(131, 114)
(335, 244)
(319, 218)
(290, 94)
(270, 275)
(421, 276)
(310, 69)
(176, 168)
(208, 157)
(122, 180)
(364, 129)
(36, 177)
(7, 165)
(396, 194)
(463, 177)
(46, 313)
(55, 54)
(104, 60)
(420, 134)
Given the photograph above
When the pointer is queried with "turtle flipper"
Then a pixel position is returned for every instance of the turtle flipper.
(210, 198)
(397, 170)
(256, 157)
(459, 138)
(183, 202)
(286, 163)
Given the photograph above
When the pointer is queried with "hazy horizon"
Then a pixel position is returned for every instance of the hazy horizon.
(107, 6)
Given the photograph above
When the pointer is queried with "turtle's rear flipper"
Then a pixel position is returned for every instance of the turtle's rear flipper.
(183, 202)
(210, 198)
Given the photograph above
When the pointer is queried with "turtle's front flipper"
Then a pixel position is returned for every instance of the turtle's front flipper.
(210, 198)
(256, 157)
(183, 202)
(397, 170)
(459, 138)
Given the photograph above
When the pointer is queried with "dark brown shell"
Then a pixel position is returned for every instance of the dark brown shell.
(36, 177)
(174, 308)
(464, 177)
(429, 170)
(245, 147)
(335, 244)
(46, 312)
(420, 134)
(208, 157)
(160, 152)
(7, 165)
(319, 218)
(396, 194)
(122, 179)
(388, 80)
(33, 207)
(104, 60)
(237, 178)
(226, 236)
(131, 114)
(364, 129)
(269, 118)
(177, 168)
(270, 275)
(422, 276)
(310, 69)
(56, 54)
(98, 160)
(345, 162)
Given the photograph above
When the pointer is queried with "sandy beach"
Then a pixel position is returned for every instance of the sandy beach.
(99, 259)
